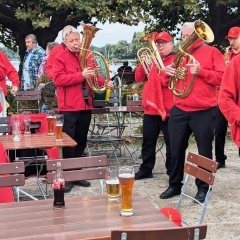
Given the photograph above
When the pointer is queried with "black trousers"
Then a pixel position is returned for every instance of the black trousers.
(181, 125)
(76, 125)
(152, 125)
(220, 135)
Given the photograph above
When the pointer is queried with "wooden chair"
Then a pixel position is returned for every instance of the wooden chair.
(83, 168)
(34, 95)
(12, 174)
(202, 168)
(4, 128)
(195, 232)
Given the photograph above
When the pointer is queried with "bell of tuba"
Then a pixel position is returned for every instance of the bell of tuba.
(149, 55)
(202, 32)
(95, 57)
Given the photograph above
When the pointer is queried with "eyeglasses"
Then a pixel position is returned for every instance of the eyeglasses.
(158, 43)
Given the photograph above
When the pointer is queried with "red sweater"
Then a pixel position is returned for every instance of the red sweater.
(12, 73)
(228, 98)
(167, 94)
(52, 54)
(3, 72)
(68, 78)
(204, 91)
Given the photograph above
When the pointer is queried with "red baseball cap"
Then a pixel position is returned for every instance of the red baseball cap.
(163, 36)
(233, 32)
(172, 214)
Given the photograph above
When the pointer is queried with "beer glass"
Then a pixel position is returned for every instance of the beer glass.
(59, 119)
(126, 180)
(112, 183)
(16, 127)
(50, 121)
(27, 123)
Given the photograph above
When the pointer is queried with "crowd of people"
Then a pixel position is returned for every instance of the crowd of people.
(177, 117)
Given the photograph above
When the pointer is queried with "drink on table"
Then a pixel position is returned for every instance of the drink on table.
(50, 121)
(126, 179)
(59, 119)
(27, 130)
(112, 183)
(58, 188)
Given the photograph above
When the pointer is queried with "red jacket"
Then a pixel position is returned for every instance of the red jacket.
(167, 94)
(12, 73)
(204, 91)
(228, 98)
(52, 54)
(3, 72)
(68, 78)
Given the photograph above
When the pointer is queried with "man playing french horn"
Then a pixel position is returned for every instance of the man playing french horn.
(157, 100)
(193, 111)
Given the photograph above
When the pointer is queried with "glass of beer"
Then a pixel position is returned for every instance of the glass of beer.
(112, 183)
(59, 119)
(50, 121)
(126, 179)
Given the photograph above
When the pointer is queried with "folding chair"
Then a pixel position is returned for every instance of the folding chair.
(195, 232)
(4, 128)
(11, 176)
(83, 168)
(28, 96)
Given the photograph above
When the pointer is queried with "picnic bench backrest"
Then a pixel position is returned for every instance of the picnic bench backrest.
(11, 174)
(4, 128)
(82, 168)
(201, 167)
(176, 233)
(134, 106)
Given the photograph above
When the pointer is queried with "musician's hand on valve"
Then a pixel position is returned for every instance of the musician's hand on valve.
(170, 71)
(194, 68)
(88, 72)
(109, 84)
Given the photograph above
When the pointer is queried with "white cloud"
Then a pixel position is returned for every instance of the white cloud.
(111, 33)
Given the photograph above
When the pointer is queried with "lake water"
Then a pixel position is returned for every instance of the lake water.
(113, 67)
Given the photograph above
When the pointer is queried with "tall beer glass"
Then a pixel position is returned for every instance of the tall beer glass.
(50, 121)
(126, 179)
(59, 119)
(112, 183)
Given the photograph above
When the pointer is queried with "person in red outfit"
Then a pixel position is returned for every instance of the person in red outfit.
(74, 96)
(12, 74)
(3, 71)
(157, 101)
(228, 98)
(195, 113)
(221, 122)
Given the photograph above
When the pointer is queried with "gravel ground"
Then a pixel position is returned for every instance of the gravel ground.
(222, 215)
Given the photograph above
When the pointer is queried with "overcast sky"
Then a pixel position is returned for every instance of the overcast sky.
(111, 33)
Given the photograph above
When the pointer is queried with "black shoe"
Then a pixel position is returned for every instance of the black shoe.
(201, 195)
(221, 165)
(170, 192)
(68, 187)
(142, 174)
(83, 183)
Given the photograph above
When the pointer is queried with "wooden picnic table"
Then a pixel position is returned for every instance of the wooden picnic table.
(85, 218)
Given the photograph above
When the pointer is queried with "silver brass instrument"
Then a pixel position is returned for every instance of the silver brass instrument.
(86, 53)
(150, 55)
(202, 32)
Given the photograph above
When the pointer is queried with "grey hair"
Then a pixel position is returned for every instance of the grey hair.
(188, 25)
(68, 31)
(31, 36)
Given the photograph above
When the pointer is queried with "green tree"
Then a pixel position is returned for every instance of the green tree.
(220, 15)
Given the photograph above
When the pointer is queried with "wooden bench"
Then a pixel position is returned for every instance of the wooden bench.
(82, 168)
(195, 232)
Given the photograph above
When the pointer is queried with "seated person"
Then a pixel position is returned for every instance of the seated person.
(125, 67)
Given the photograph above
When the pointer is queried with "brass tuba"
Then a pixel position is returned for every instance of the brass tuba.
(202, 31)
(150, 55)
(86, 53)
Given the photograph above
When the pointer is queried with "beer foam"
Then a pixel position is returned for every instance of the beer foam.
(59, 125)
(126, 175)
(112, 181)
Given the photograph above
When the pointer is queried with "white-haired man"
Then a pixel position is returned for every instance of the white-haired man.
(74, 95)
(194, 113)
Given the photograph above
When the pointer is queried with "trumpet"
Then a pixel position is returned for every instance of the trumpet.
(149, 56)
